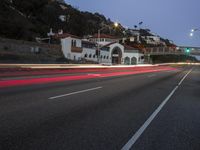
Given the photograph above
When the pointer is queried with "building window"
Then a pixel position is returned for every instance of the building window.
(94, 56)
(74, 43)
(90, 55)
(107, 57)
(104, 57)
(85, 55)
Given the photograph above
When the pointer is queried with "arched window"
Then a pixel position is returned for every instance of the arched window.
(85, 55)
(127, 61)
(94, 56)
(133, 61)
(90, 55)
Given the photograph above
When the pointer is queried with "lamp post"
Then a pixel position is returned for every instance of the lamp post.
(193, 31)
(116, 24)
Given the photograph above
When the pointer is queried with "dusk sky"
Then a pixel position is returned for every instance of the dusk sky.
(171, 19)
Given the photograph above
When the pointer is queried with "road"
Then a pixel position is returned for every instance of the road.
(149, 111)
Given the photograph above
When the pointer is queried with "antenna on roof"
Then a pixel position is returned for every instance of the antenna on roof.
(51, 32)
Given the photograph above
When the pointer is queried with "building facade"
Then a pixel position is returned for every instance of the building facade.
(106, 50)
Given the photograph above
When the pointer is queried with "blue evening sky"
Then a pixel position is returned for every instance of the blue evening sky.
(171, 19)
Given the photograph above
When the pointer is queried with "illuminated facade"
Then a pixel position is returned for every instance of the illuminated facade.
(110, 50)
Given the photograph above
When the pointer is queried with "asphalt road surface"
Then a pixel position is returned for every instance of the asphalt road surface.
(152, 111)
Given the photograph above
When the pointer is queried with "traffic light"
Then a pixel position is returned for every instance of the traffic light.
(187, 50)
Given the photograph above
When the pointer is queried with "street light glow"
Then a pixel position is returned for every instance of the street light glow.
(116, 24)
(192, 30)
(191, 34)
(195, 29)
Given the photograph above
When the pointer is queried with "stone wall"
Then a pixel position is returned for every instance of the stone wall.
(25, 51)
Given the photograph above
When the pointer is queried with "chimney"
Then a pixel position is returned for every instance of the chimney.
(60, 31)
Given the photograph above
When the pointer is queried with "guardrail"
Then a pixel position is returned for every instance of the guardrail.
(170, 51)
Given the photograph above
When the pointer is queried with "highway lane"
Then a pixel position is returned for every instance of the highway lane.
(102, 113)
(178, 124)
(30, 80)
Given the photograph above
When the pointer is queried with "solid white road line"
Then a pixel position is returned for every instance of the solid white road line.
(73, 93)
(136, 136)
(184, 77)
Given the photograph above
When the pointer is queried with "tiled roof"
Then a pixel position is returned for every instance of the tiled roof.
(88, 42)
(127, 47)
(105, 36)
(107, 45)
(65, 35)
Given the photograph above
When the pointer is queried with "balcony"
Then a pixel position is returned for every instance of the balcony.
(76, 49)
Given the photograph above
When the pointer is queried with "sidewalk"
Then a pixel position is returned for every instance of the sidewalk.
(74, 66)
(68, 66)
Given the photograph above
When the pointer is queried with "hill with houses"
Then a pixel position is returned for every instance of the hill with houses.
(27, 20)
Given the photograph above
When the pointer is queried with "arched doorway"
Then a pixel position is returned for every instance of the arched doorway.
(127, 61)
(116, 55)
(133, 61)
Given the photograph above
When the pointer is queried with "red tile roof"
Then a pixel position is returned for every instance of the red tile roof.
(109, 44)
(65, 35)
(89, 42)
(105, 36)
(127, 47)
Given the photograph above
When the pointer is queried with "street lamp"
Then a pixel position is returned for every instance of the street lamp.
(116, 24)
(192, 31)
(191, 34)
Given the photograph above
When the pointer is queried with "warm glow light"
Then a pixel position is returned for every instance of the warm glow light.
(116, 24)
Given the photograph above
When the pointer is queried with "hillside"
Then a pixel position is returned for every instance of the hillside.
(22, 19)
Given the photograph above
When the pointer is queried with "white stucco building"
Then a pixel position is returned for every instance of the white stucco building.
(111, 51)
(155, 40)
